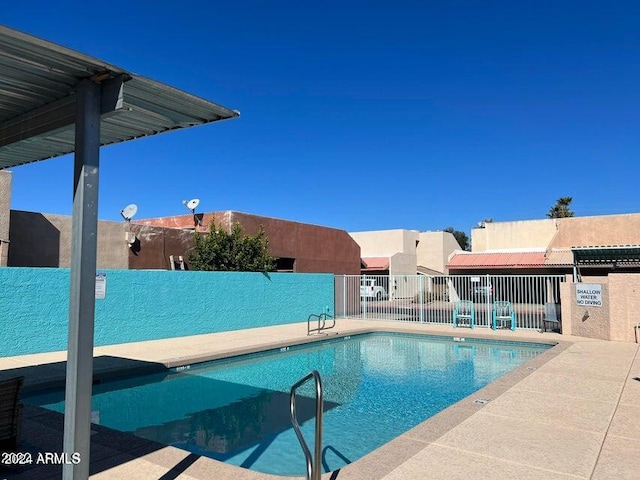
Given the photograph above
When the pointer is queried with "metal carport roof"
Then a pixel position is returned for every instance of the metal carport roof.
(53, 101)
(38, 82)
(607, 255)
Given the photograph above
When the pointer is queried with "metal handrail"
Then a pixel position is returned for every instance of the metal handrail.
(314, 470)
(322, 318)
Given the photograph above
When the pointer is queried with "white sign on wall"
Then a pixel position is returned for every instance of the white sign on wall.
(101, 285)
(589, 294)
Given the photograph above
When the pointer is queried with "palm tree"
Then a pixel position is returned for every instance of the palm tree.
(561, 208)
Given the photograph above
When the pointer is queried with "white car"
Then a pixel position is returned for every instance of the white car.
(369, 289)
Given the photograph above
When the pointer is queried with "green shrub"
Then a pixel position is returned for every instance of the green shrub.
(220, 250)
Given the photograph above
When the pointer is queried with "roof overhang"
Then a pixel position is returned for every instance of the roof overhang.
(613, 255)
(502, 260)
(375, 264)
(559, 258)
(38, 83)
(428, 271)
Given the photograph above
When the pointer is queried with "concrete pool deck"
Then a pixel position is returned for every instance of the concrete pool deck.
(572, 412)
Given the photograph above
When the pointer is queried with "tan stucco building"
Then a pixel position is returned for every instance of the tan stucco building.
(44, 240)
(558, 233)
(405, 252)
(543, 246)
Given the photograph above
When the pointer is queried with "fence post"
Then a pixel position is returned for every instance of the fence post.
(344, 296)
(363, 300)
(489, 293)
(421, 303)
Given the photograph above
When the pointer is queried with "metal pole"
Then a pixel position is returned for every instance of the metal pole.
(317, 457)
(488, 299)
(77, 419)
(363, 300)
(344, 296)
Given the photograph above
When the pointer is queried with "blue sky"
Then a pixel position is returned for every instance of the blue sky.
(364, 115)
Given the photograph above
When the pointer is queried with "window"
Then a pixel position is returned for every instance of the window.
(284, 264)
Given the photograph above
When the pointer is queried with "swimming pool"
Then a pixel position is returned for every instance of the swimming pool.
(376, 386)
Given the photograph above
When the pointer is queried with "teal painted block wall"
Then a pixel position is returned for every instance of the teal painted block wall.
(153, 304)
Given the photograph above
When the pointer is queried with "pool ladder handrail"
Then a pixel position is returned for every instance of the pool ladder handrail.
(314, 464)
(322, 319)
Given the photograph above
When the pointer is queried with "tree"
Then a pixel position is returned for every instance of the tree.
(461, 238)
(220, 250)
(561, 208)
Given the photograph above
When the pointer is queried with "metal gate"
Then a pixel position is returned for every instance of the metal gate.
(432, 299)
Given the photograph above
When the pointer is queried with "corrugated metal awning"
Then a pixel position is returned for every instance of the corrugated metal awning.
(462, 261)
(607, 255)
(38, 81)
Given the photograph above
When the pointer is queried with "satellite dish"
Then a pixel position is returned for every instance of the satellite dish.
(129, 211)
(192, 204)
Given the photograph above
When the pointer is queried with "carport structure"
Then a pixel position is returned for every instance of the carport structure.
(613, 257)
(55, 101)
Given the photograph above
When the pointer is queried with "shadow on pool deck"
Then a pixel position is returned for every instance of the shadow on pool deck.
(42, 433)
(42, 430)
(53, 375)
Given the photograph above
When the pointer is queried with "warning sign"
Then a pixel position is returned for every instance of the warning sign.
(101, 285)
(589, 294)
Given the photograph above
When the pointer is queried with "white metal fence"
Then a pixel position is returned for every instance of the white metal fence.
(432, 299)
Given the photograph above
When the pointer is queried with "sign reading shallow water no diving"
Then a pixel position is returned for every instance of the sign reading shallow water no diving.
(589, 294)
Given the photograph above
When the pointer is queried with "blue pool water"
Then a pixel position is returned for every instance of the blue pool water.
(376, 386)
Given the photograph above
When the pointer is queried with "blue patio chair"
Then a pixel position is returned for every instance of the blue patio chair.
(464, 311)
(503, 314)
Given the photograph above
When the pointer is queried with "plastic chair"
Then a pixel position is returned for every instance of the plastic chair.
(503, 314)
(465, 311)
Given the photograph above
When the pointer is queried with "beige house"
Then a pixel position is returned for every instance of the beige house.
(548, 246)
(543, 246)
(555, 234)
(405, 252)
